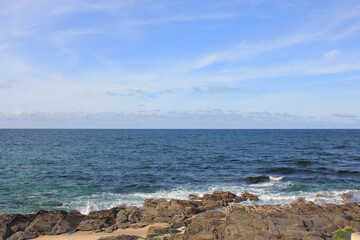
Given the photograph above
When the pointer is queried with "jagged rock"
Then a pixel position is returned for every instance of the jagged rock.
(299, 220)
(68, 223)
(194, 197)
(99, 220)
(163, 211)
(217, 199)
(128, 215)
(54, 222)
(205, 226)
(22, 236)
(45, 221)
(249, 196)
(12, 223)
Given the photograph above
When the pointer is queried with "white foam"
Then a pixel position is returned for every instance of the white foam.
(272, 178)
(270, 193)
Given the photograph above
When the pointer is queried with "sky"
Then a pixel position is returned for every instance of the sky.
(179, 64)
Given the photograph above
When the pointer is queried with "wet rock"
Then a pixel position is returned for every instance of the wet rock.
(22, 236)
(347, 197)
(249, 196)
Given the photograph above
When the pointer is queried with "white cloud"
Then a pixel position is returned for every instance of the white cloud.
(221, 89)
(213, 118)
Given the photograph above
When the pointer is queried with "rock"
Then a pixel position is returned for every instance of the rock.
(208, 225)
(22, 236)
(69, 223)
(45, 221)
(158, 231)
(194, 197)
(249, 196)
(11, 223)
(54, 222)
(347, 197)
(128, 215)
(121, 237)
(173, 211)
(217, 199)
(99, 220)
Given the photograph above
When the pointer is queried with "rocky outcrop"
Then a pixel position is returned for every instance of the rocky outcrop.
(299, 220)
(12, 223)
(174, 211)
(99, 220)
(28, 226)
(202, 218)
(54, 222)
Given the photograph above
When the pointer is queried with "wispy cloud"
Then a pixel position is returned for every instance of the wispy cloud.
(115, 94)
(221, 89)
(8, 84)
(332, 53)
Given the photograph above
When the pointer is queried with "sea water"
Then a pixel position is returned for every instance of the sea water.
(97, 169)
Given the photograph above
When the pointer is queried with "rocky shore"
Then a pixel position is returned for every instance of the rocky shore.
(212, 216)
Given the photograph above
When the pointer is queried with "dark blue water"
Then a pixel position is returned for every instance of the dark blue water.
(95, 169)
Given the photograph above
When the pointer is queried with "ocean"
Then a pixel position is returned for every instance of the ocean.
(90, 170)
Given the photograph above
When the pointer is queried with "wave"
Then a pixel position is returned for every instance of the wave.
(276, 178)
(269, 192)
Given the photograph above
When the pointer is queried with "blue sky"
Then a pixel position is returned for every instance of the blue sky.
(179, 64)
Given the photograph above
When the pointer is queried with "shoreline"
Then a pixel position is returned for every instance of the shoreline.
(200, 217)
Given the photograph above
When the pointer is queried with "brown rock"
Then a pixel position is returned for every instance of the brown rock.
(22, 236)
(163, 211)
(249, 196)
(346, 197)
(99, 220)
(45, 221)
(11, 223)
(128, 215)
(69, 223)
(194, 197)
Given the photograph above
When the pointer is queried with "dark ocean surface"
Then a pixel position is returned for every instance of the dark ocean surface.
(96, 169)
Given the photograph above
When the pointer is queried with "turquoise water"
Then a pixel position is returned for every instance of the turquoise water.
(97, 169)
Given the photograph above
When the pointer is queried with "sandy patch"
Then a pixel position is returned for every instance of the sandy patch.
(141, 232)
